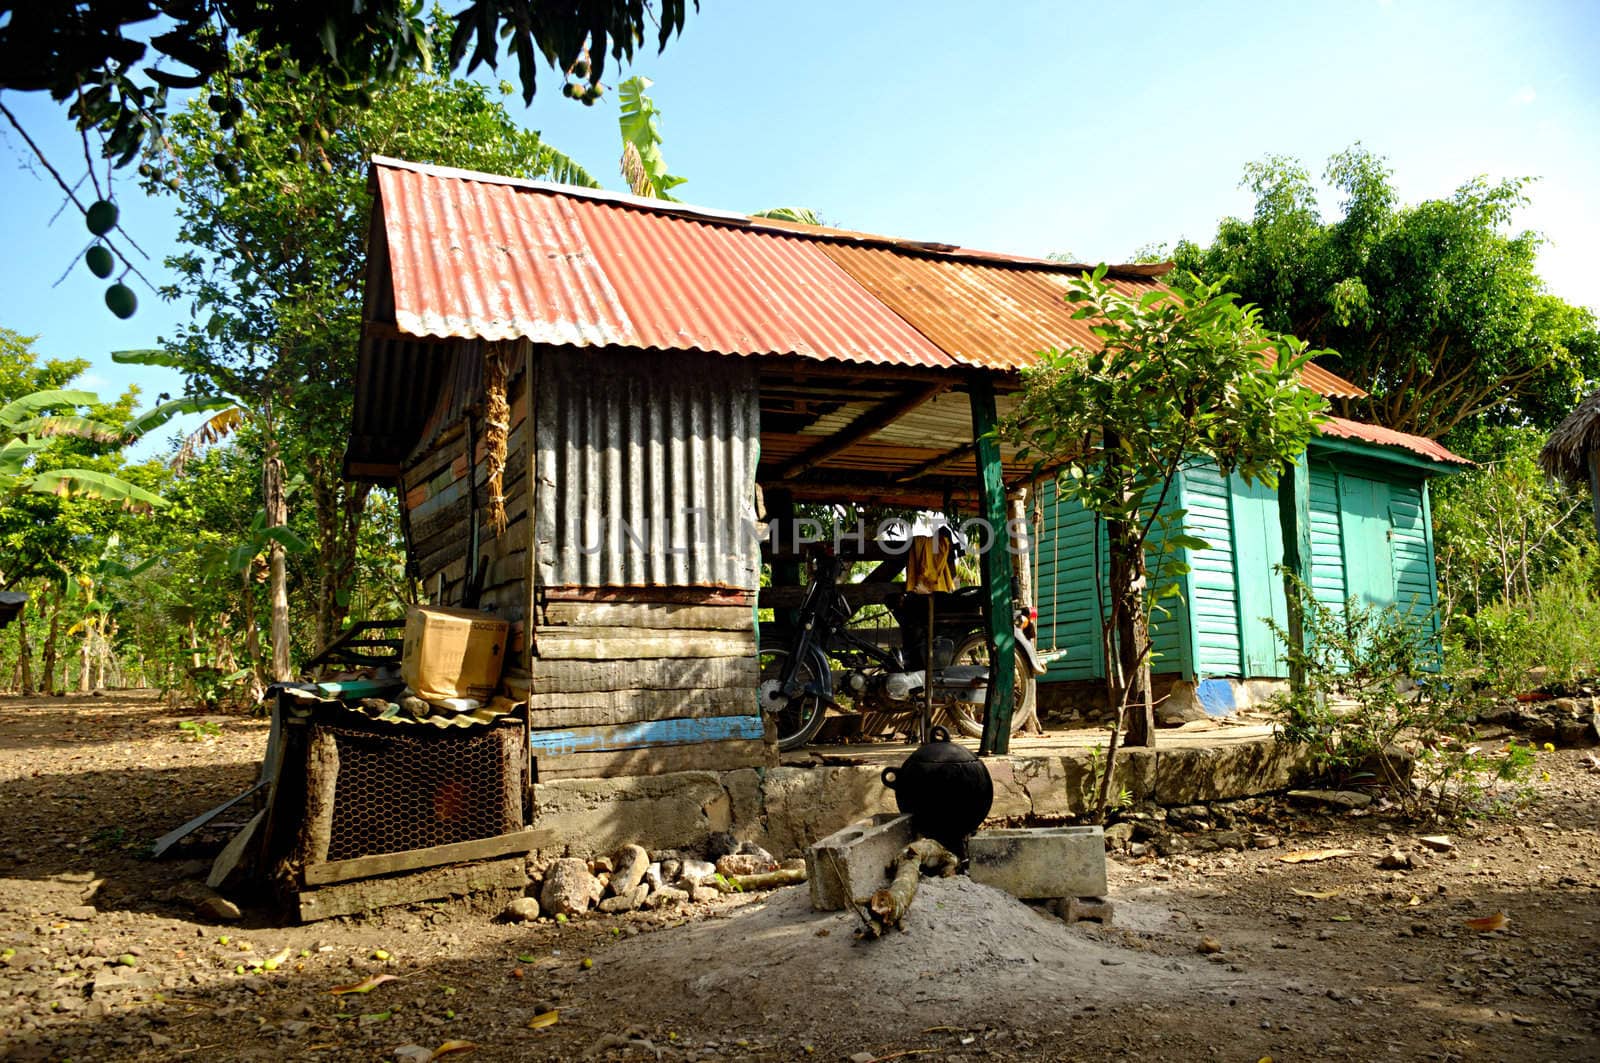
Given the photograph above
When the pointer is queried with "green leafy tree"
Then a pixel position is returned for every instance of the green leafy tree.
(67, 488)
(1183, 375)
(1436, 309)
(113, 64)
(273, 263)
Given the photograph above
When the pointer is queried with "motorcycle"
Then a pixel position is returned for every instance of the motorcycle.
(797, 682)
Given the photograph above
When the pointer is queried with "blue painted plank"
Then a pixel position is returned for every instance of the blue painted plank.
(557, 742)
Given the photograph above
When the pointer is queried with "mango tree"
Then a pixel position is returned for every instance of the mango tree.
(269, 177)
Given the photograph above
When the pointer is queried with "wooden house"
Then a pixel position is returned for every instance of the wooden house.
(1370, 533)
(586, 400)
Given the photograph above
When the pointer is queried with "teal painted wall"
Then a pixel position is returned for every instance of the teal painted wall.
(1214, 597)
(1064, 559)
(1371, 536)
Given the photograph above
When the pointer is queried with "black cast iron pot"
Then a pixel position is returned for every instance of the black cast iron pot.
(945, 789)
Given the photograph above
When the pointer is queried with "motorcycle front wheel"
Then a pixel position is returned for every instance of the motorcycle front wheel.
(968, 716)
(799, 720)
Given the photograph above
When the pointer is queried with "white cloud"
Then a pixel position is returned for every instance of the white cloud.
(1524, 95)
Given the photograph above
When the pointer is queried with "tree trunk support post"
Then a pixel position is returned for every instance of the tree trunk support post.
(998, 702)
(1294, 517)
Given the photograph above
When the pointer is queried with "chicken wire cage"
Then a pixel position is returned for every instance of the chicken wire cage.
(399, 790)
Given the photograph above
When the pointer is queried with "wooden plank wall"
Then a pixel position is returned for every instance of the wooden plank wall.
(435, 486)
(638, 681)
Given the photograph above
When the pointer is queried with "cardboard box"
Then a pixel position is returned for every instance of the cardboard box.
(453, 653)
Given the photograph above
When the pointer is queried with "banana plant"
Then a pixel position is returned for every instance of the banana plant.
(29, 424)
(642, 165)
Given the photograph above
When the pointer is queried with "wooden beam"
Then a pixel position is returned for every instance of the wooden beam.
(999, 699)
(932, 497)
(945, 460)
(1294, 517)
(363, 895)
(867, 425)
(522, 841)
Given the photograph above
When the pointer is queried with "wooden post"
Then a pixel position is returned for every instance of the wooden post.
(785, 564)
(322, 778)
(1294, 516)
(996, 568)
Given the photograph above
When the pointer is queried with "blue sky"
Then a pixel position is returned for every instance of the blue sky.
(1023, 127)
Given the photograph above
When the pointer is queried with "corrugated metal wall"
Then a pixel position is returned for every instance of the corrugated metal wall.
(646, 469)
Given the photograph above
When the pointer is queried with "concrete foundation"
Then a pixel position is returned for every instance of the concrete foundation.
(848, 865)
(1040, 863)
(1178, 700)
(820, 791)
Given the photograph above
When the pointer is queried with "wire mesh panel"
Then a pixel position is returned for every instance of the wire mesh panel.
(398, 792)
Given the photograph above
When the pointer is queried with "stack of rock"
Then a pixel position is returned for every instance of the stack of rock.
(634, 878)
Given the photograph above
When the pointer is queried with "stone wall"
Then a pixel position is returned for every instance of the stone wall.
(785, 809)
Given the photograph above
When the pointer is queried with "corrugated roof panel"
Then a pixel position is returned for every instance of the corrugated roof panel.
(476, 260)
(999, 315)
(495, 260)
(732, 290)
(995, 316)
(1343, 428)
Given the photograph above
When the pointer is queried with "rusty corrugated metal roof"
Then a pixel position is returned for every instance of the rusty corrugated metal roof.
(985, 313)
(1343, 428)
(477, 255)
(473, 255)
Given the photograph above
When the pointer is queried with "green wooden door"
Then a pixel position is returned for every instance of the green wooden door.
(1258, 550)
(1368, 539)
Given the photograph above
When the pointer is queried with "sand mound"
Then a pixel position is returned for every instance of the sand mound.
(974, 953)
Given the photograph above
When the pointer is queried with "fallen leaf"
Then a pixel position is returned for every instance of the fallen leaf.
(528, 958)
(1315, 895)
(1340, 918)
(1306, 856)
(453, 1046)
(372, 1018)
(543, 1019)
(366, 985)
(1489, 923)
(1413, 902)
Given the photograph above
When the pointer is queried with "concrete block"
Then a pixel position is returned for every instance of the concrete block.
(850, 864)
(1040, 862)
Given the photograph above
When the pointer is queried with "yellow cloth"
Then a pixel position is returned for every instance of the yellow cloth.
(928, 567)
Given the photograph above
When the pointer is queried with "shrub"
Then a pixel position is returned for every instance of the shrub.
(1553, 640)
(1379, 708)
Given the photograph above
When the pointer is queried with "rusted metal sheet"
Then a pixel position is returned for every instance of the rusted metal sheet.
(999, 315)
(986, 314)
(646, 469)
(479, 256)
(1342, 428)
(397, 382)
(492, 258)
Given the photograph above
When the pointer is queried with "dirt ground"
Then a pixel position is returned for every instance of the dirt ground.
(1216, 953)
